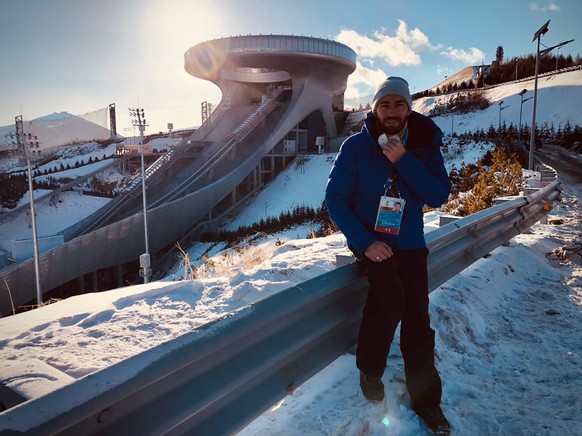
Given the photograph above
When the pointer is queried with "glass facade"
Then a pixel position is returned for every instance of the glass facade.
(290, 43)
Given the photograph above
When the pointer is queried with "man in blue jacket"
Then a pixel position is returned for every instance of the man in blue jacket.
(381, 179)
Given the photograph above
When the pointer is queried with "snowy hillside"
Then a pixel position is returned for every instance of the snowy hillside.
(468, 74)
(558, 102)
(59, 129)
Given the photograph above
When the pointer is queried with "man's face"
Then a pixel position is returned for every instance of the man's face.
(392, 112)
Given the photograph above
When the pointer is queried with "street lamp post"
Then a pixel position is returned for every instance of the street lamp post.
(500, 109)
(453, 120)
(542, 31)
(138, 119)
(521, 93)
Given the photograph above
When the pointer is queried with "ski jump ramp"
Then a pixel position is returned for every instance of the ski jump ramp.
(270, 84)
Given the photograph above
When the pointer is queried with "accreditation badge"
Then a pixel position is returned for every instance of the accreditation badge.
(389, 215)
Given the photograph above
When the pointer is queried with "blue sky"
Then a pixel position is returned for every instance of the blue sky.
(81, 55)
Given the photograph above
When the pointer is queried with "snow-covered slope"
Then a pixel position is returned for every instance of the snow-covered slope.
(464, 76)
(59, 129)
(558, 102)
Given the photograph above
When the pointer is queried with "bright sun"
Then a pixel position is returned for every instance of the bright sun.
(183, 23)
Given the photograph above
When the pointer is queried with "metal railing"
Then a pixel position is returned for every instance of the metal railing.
(217, 152)
(218, 378)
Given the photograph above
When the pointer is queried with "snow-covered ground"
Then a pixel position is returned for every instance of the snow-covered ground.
(54, 215)
(508, 344)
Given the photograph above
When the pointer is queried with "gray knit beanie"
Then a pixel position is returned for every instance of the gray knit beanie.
(392, 85)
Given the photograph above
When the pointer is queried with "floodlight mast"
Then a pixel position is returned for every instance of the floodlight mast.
(138, 119)
(21, 141)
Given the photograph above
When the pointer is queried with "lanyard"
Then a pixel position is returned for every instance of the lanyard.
(391, 184)
(405, 136)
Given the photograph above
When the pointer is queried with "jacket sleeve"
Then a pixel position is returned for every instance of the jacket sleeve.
(340, 199)
(427, 178)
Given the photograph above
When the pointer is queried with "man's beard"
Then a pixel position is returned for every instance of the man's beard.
(393, 129)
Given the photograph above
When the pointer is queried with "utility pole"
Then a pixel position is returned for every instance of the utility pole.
(538, 35)
(521, 93)
(500, 109)
(138, 119)
(542, 31)
(23, 145)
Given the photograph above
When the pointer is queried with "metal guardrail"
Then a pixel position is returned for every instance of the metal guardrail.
(217, 379)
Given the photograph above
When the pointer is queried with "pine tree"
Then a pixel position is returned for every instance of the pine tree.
(499, 55)
(491, 133)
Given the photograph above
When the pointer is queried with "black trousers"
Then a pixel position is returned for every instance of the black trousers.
(399, 293)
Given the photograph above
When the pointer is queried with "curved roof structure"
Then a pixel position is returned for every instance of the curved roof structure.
(269, 57)
(316, 69)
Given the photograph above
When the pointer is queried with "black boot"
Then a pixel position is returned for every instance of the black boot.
(434, 419)
(372, 387)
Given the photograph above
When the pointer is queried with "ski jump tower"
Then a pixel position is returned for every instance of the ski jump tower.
(314, 70)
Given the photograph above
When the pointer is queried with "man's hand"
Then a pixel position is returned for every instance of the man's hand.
(378, 251)
(394, 150)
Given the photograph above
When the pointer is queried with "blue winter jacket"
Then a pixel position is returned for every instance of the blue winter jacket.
(357, 179)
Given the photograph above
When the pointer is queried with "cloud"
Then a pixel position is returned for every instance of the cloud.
(550, 7)
(402, 48)
(366, 75)
(471, 57)
(553, 7)
(359, 81)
